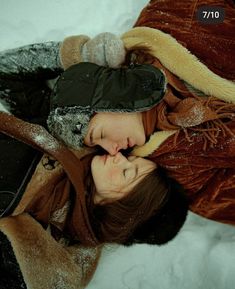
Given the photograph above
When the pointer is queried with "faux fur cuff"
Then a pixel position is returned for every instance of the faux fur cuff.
(154, 142)
(70, 50)
(44, 263)
(180, 61)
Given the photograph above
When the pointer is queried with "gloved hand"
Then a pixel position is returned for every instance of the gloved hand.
(105, 49)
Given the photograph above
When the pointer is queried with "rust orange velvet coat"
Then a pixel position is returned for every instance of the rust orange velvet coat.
(200, 151)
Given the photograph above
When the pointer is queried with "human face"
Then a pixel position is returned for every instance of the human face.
(115, 176)
(115, 131)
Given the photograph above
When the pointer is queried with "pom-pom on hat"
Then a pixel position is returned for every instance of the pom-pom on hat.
(87, 88)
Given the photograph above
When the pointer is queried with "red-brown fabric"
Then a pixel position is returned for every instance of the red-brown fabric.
(201, 155)
(181, 108)
(208, 175)
(213, 44)
(56, 192)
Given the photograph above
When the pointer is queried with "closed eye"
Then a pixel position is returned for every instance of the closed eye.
(102, 135)
(134, 170)
(91, 138)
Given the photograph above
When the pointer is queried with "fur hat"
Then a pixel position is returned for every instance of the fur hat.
(165, 224)
(87, 88)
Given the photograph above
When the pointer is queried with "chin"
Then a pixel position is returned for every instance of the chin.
(97, 162)
(94, 160)
(93, 163)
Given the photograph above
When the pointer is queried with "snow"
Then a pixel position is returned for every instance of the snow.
(202, 255)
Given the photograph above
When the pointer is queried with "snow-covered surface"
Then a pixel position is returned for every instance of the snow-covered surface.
(203, 254)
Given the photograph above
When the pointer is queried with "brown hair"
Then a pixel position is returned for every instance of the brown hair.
(153, 212)
(115, 222)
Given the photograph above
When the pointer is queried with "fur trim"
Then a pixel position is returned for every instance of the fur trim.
(154, 142)
(70, 50)
(69, 124)
(44, 263)
(180, 61)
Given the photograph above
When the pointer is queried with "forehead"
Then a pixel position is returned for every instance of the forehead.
(104, 116)
(106, 120)
(101, 120)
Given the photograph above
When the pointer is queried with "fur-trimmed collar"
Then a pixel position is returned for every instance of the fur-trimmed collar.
(154, 142)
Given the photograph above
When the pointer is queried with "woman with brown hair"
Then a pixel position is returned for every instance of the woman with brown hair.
(150, 207)
(104, 198)
(87, 200)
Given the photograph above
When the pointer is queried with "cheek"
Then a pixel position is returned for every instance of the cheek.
(113, 175)
(109, 180)
(117, 132)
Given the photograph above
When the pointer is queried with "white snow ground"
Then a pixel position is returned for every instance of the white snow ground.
(203, 255)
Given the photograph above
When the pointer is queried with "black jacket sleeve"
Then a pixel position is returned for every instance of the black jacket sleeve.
(24, 75)
(35, 61)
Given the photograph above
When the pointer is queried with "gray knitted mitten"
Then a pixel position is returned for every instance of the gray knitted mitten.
(105, 49)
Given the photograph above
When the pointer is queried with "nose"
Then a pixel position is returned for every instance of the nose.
(112, 148)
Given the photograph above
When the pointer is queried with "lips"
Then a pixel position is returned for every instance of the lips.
(130, 143)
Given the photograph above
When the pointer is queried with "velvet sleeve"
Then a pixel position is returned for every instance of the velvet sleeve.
(207, 174)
